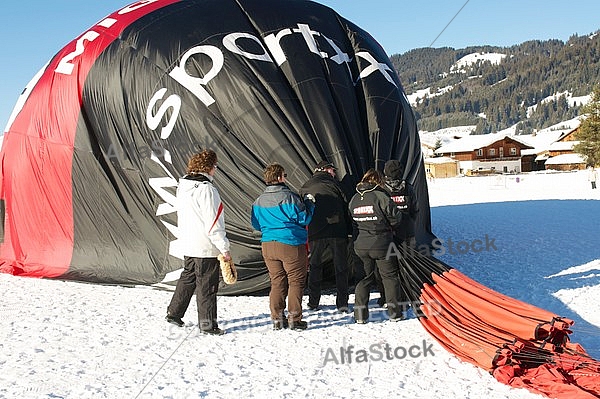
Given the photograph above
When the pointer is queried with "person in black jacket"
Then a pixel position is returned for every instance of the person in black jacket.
(403, 195)
(375, 216)
(328, 234)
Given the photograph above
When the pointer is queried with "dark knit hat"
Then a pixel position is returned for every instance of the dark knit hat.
(323, 166)
(393, 169)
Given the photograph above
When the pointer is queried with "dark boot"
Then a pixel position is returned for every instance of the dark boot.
(175, 320)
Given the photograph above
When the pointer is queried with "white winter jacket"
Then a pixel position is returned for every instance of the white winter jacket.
(200, 218)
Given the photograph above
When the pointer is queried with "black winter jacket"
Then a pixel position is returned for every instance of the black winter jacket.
(403, 195)
(374, 216)
(331, 218)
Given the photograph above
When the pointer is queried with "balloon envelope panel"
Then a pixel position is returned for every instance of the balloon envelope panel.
(103, 136)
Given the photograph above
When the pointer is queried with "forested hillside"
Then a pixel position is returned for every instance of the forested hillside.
(495, 96)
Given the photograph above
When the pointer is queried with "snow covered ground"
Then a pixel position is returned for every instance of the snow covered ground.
(73, 340)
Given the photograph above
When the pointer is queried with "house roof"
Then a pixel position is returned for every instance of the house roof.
(565, 159)
(567, 134)
(562, 145)
(532, 151)
(474, 142)
(541, 141)
(439, 160)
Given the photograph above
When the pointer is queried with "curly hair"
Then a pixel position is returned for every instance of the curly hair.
(272, 173)
(373, 176)
(202, 162)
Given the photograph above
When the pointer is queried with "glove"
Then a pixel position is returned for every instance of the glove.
(228, 270)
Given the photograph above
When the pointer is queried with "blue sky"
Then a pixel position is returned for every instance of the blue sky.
(32, 31)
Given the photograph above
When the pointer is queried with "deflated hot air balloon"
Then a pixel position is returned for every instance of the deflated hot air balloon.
(96, 145)
(97, 142)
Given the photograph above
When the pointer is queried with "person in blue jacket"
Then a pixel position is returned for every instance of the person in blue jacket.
(282, 217)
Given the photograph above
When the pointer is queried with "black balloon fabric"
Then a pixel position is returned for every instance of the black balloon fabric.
(100, 137)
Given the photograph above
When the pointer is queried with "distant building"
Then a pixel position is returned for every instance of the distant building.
(441, 167)
(561, 155)
(566, 162)
(488, 153)
(535, 159)
(427, 149)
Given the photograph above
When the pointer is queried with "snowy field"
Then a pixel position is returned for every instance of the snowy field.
(73, 340)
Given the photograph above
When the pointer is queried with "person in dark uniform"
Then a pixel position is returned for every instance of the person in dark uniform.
(375, 215)
(328, 234)
(403, 194)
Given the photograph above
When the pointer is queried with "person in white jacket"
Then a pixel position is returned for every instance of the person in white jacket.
(202, 233)
(593, 176)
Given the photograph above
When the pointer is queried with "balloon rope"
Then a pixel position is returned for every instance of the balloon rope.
(164, 363)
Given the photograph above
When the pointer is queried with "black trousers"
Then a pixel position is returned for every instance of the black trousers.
(200, 276)
(404, 248)
(322, 251)
(375, 260)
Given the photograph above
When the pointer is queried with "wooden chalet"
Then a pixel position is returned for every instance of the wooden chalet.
(488, 153)
(561, 154)
(441, 167)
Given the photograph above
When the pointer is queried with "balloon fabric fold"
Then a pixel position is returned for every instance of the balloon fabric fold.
(519, 344)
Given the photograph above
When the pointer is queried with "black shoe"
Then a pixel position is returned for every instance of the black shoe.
(280, 324)
(313, 307)
(343, 309)
(398, 317)
(381, 302)
(175, 320)
(213, 331)
(298, 325)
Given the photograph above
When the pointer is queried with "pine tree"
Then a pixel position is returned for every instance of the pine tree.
(589, 131)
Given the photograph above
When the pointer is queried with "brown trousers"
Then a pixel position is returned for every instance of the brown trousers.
(287, 265)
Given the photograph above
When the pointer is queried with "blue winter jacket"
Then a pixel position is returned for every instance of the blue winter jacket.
(280, 215)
